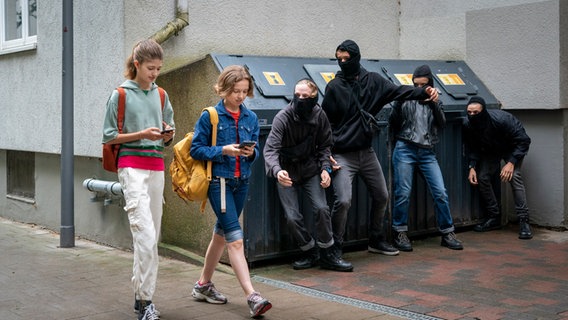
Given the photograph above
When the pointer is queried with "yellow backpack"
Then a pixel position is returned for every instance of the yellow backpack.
(190, 177)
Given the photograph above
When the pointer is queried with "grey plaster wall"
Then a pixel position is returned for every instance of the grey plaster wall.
(516, 52)
(436, 29)
(543, 168)
(31, 80)
(281, 28)
(106, 224)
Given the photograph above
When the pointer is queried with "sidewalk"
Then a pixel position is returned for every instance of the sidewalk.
(497, 276)
(38, 280)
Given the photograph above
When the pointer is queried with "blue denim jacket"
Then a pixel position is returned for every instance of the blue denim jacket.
(223, 165)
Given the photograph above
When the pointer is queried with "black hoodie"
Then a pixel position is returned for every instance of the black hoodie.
(344, 94)
(494, 134)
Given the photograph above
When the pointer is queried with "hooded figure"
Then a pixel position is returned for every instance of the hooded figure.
(490, 137)
(482, 120)
(424, 71)
(350, 68)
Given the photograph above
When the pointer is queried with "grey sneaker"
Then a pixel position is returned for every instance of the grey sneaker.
(402, 242)
(208, 292)
(258, 305)
(148, 313)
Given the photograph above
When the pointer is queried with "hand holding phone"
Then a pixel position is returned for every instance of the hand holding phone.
(246, 144)
(167, 130)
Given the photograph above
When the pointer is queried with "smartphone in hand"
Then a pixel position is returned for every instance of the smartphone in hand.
(167, 130)
(246, 144)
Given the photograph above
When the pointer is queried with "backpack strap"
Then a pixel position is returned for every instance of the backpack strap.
(162, 96)
(121, 108)
(214, 118)
(122, 105)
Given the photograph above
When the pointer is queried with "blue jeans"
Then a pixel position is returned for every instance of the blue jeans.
(228, 222)
(365, 163)
(405, 157)
(289, 197)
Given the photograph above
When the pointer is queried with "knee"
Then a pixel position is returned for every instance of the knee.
(382, 196)
(343, 203)
(235, 245)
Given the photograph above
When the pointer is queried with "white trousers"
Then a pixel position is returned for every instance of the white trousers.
(143, 192)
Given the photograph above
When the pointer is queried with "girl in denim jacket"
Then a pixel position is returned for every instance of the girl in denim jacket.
(234, 152)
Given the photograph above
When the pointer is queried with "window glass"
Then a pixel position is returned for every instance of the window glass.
(12, 19)
(21, 174)
(18, 25)
(32, 17)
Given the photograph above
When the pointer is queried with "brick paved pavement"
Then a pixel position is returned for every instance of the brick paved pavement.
(497, 276)
(38, 280)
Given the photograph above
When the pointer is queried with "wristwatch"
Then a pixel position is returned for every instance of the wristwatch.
(328, 170)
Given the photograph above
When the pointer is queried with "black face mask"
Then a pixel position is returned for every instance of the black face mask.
(480, 120)
(304, 107)
(350, 68)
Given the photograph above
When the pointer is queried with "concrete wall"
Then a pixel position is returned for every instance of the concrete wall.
(281, 28)
(516, 52)
(518, 49)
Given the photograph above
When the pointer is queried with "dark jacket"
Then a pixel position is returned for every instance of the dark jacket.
(300, 147)
(370, 91)
(406, 116)
(501, 135)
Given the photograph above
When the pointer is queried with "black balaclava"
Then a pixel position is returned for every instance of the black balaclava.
(304, 107)
(482, 119)
(351, 67)
(424, 71)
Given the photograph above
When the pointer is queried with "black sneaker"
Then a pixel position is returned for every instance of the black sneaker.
(382, 247)
(310, 259)
(402, 243)
(148, 312)
(208, 292)
(449, 240)
(492, 223)
(257, 305)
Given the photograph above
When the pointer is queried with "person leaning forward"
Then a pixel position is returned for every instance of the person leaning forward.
(297, 153)
(491, 136)
(352, 89)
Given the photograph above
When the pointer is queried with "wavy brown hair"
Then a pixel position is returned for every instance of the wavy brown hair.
(231, 75)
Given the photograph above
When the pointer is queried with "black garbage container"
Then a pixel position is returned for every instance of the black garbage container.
(266, 232)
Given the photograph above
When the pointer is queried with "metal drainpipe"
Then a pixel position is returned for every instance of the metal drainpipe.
(173, 27)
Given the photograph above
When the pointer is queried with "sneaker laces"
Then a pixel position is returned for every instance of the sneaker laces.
(212, 289)
(452, 236)
(150, 313)
(402, 237)
(255, 297)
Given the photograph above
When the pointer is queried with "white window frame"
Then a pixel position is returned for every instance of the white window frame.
(26, 42)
